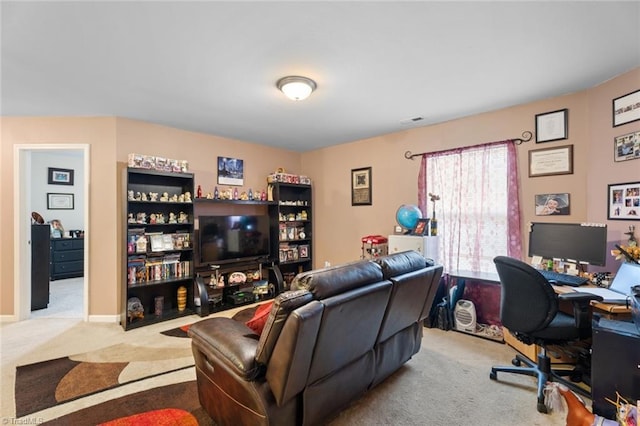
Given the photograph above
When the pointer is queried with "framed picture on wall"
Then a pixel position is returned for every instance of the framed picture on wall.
(60, 176)
(361, 187)
(624, 201)
(626, 108)
(552, 126)
(551, 161)
(230, 171)
(552, 204)
(56, 201)
(626, 147)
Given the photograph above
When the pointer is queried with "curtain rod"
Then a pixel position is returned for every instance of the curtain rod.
(526, 137)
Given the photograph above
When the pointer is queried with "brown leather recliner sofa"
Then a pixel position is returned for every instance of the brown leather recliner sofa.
(337, 333)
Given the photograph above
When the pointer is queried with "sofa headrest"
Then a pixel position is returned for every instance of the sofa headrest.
(282, 306)
(401, 263)
(326, 282)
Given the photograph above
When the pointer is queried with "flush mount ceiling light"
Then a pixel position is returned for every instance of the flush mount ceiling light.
(296, 88)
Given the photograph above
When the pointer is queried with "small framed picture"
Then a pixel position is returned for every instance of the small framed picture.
(552, 126)
(626, 108)
(57, 201)
(304, 251)
(624, 201)
(60, 176)
(361, 187)
(421, 228)
(230, 171)
(552, 204)
(626, 147)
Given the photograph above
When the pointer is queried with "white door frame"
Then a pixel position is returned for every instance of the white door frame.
(22, 225)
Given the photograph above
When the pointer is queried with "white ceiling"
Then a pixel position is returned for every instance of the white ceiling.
(211, 67)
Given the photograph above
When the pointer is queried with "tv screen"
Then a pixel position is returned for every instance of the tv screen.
(586, 243)
(224, 239)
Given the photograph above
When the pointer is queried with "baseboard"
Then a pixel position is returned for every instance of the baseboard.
(8, 318)
(105, 318)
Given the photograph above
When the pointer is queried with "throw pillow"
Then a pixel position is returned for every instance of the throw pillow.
(260, 318)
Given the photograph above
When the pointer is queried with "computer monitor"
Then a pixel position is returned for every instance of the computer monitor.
(572, 242)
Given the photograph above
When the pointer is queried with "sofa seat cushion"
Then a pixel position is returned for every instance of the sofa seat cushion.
(327, 282)
(282, 306)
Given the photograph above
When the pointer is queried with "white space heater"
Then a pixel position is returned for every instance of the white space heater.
(465, 316)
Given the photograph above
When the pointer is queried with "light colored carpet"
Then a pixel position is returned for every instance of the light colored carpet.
(446, 383)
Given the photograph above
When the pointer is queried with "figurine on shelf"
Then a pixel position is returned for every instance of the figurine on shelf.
(209, 196)
(143, 196)
(199, 192)
(183, 217)
(138, 196)
(235, 193)
(187, 197)
(130, 195)
(141, 217)
(160, 218)
(130, 218)
(153, 196)
(172, 218)
(165, 197)
(174, 198)
(216, 194)
(244, 196)
(263, 196)
(181, 198)
(152, 218)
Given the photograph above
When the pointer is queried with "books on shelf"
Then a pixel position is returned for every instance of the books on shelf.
(144, 269)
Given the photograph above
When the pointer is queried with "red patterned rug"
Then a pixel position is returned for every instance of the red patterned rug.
(242, 316)
(143, 405)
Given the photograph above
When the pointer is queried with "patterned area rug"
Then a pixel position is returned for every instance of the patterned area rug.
(48, 383)
(182, 396)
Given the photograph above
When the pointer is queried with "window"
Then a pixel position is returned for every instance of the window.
(478, 211)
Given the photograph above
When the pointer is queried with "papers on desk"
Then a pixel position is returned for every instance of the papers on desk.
(608, 296)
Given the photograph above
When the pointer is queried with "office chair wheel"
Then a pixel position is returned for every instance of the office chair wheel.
(516, 362)
(493, 375)
(542, 408)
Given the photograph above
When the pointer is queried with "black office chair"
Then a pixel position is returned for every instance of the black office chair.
(529, 309)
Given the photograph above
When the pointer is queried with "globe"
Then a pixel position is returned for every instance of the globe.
(408, 215)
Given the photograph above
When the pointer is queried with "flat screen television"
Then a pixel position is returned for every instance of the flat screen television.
(232, 238)
(578, 242)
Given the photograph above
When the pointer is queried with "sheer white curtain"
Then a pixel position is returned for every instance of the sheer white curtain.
(478, 212)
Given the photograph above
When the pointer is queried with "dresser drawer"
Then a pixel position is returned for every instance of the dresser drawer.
(67, 267)
(67, 244)
(67, 256)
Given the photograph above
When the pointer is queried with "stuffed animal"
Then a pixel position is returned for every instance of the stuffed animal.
(134, 309)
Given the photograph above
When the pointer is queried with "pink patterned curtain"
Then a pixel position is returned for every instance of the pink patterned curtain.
(478, 212)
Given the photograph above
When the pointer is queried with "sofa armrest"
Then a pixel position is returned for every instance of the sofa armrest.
(229, 342)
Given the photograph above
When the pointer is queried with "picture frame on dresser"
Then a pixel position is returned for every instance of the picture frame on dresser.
(623, 201)
(626, 108)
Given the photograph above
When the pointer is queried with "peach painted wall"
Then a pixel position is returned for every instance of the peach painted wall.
(339, 226)
(111, 140)
(99, 133)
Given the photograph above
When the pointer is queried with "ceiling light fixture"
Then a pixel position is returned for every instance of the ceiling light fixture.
(296, 88)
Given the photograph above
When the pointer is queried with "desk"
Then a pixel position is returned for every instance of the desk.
(483, 289)
(609, 310)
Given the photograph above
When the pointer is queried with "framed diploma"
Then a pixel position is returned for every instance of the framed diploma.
(551, 161)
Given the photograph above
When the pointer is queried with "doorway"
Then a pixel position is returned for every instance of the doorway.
(24, 157)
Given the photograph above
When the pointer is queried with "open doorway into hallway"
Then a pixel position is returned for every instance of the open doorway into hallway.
(33, 190)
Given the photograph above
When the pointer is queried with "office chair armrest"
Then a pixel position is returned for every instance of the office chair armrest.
(581, 308)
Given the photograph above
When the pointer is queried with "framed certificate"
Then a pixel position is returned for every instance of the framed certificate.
(551, 161)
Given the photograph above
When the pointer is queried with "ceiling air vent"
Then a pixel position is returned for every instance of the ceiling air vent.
(413, 120)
